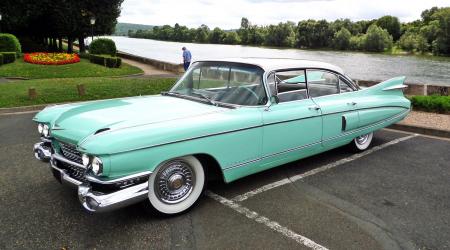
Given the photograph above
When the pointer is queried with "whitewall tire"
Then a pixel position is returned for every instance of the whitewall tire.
(176, 185)
(362, 142)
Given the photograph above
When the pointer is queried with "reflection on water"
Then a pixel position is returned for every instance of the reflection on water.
(363, 66)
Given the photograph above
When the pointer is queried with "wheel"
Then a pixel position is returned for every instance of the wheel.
(176, 185)
(362, 142)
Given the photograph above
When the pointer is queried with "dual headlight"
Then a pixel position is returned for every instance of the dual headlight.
(94, 163)
(44, 129)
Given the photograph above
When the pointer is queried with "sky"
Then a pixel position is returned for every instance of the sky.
(227, 14)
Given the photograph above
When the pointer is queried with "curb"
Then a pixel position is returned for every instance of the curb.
(6, 111)
(16, 78)
(421, 130)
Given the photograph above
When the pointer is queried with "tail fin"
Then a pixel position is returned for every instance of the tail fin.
(393, 84)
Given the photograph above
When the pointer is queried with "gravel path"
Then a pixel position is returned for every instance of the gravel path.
(428, 120)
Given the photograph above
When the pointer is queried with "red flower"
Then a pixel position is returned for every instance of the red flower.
(45, 58)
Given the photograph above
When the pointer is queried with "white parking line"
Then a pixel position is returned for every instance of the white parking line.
(294, 178)
(265, 221)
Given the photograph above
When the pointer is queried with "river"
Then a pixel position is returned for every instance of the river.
(358, 65)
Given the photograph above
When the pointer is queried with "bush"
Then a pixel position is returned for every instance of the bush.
(8, 57)
(433, 103)
(9, 43)
(103, 46)
(106, 60)
(1, 59)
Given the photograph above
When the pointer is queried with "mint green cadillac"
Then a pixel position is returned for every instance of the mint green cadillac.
(223, 118)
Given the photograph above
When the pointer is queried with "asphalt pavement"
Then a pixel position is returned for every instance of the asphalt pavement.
(397, 196)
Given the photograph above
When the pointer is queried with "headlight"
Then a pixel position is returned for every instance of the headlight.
(40, 128)
(45, 131)
(97, 166)
(85, 160)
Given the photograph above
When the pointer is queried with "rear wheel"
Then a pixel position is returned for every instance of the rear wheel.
(362, 142)
(176, 185)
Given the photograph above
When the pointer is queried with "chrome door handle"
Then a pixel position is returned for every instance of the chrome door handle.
(314, 107)
(351, 103)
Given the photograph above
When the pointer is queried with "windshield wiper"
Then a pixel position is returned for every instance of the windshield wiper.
(205, 97)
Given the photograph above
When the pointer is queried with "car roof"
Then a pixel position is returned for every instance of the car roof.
(270, 64)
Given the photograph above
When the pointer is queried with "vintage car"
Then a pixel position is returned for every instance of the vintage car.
(223, 118)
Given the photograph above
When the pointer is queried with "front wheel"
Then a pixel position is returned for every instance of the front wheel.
(176, 185)
(362, 142)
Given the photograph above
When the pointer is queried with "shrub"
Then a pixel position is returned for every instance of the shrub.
(8, 57)
(103, 46)
(433, 103)
(9, 43)
(1, 59)
(106, 60)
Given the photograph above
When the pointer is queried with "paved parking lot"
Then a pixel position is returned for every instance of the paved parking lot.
(394, 196)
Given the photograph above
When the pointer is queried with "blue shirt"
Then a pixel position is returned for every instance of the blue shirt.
(187, 56)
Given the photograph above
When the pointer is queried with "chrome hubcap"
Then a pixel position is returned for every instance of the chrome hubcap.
(174, 182)
(362, 139)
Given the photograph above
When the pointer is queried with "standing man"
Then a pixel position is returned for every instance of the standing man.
(186, 58)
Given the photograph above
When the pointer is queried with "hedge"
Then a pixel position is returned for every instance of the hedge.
(8, 57)
(103, 46)
(1, 59)
(106, 60)
(9, 43)
(433, 103)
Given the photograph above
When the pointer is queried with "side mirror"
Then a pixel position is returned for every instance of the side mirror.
(274, 99)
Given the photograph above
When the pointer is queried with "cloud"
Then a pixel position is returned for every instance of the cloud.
(228, 14)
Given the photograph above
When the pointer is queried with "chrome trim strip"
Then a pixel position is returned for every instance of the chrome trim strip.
(94, 179)
(319, 142)
(63, 159)
(399, 86)
(65, 177)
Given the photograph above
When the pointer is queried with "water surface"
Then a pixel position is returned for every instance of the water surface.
(363, 66)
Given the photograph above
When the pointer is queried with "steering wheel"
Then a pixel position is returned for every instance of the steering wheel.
(252, 93)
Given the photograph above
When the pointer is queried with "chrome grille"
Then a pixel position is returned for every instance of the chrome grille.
(69, 151)
(76, 172)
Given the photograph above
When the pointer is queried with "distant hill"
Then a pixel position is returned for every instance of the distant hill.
(123, 28)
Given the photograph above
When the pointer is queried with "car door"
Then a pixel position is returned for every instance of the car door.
(292, 128)
(337, 104)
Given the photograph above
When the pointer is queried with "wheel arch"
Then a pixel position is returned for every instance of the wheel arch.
(212, 168)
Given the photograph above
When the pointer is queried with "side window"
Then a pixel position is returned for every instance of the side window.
(291, 85)
(271, 84)
(322, 83)
(344, 86)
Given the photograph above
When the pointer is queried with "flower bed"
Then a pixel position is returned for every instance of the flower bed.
(51, 58)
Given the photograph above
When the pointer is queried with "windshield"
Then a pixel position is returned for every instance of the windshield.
(223, 82)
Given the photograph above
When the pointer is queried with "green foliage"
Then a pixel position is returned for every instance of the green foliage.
(281, 35)
(1, 59)
(341, 39)
(9, 43)
(15, 93)
(433, 103)
(216, 36)
(377, 39)
(122, 29)
(314, 34)
(356, 42)
(391, 24)
(82, 69)
(106, 60)
(231, 37)
(8, 57)
(441, 46)
(103, 46)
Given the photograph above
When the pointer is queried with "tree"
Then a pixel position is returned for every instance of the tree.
(231, 37)
(341, 39)
(202, 34)
(408, 42)
(314, 34)
(243, 30)
(217, 36)
(441, 46)
(377, 39)
(391, 24)
(281, 35)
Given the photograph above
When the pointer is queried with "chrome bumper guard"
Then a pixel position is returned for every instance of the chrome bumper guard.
(91, 200)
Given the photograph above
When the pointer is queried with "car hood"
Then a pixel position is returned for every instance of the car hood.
(78, 122)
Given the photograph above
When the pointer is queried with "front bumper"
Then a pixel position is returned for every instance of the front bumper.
(91, 199)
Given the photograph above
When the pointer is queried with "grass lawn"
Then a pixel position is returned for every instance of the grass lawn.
(15, 94)
(82, 69)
